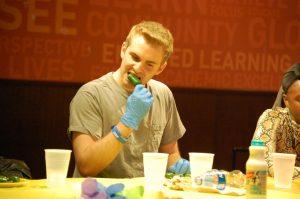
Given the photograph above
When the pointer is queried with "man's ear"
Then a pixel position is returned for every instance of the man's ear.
(123, 49)
(285, 100)
(161, 68)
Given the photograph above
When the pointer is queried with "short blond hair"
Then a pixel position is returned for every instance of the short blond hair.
(153, 32)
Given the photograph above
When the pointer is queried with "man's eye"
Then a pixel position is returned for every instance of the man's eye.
(135, 58)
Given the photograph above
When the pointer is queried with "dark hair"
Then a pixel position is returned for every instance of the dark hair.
(290, 76)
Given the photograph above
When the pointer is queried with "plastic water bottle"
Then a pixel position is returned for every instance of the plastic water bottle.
(219, 179)
(256, 171)
(235, 178)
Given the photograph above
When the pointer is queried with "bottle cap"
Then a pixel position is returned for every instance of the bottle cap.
(256, 142)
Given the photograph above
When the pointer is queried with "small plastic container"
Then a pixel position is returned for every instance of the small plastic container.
(256, 171)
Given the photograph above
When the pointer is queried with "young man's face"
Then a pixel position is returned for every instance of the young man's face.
(142, 59)
(292, 100)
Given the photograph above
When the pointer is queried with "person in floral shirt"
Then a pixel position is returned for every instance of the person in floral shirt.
(279, 127)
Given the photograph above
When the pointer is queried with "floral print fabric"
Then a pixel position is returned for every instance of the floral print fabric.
(280, 133)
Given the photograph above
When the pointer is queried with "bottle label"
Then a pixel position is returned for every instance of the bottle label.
(256, 182)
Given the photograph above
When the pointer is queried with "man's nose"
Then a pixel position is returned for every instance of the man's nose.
(138, 67)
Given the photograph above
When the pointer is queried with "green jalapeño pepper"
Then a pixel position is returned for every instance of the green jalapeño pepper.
(133, 79)
(9, 179)
(14, 179)
(169, 175)
(3, 179)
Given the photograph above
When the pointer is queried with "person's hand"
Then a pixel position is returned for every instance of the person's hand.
(138, 104)
(182, 166)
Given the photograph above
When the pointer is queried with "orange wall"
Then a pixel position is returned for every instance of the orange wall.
(219, 44)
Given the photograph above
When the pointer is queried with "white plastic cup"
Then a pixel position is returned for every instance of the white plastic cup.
(200, 163)
(155, 165)
(57, 164)
(283, 165)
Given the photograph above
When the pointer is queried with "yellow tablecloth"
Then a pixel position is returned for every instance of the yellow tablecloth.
(37, 189)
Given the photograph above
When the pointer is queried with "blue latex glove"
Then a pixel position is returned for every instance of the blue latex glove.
(182, 166)
(138, 104)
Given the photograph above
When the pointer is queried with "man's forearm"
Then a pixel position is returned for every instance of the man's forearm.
(94, 156)
(173, 158)
(173, 151)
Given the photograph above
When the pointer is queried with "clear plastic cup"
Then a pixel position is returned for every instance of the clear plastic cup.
(200, 163)
(283, 165)
(155, 165)
(57, 164)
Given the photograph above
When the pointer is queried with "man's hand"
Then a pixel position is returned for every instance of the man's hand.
(138, 104)
(182, 166)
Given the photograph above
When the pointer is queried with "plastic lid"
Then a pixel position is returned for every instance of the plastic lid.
(257, 143)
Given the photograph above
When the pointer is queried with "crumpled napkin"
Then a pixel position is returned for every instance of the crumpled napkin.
(227, 191)
(91, 189)
(138, 192)
(185, 184)
(134, 192)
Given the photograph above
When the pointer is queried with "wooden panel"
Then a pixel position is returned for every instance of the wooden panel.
(218, 121)
(197, 111)
(34, 116)
(237, 116)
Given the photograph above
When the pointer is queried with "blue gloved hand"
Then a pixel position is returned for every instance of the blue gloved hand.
(182, 166)
(138, 104)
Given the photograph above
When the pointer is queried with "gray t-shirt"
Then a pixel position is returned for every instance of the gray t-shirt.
(99, 104)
